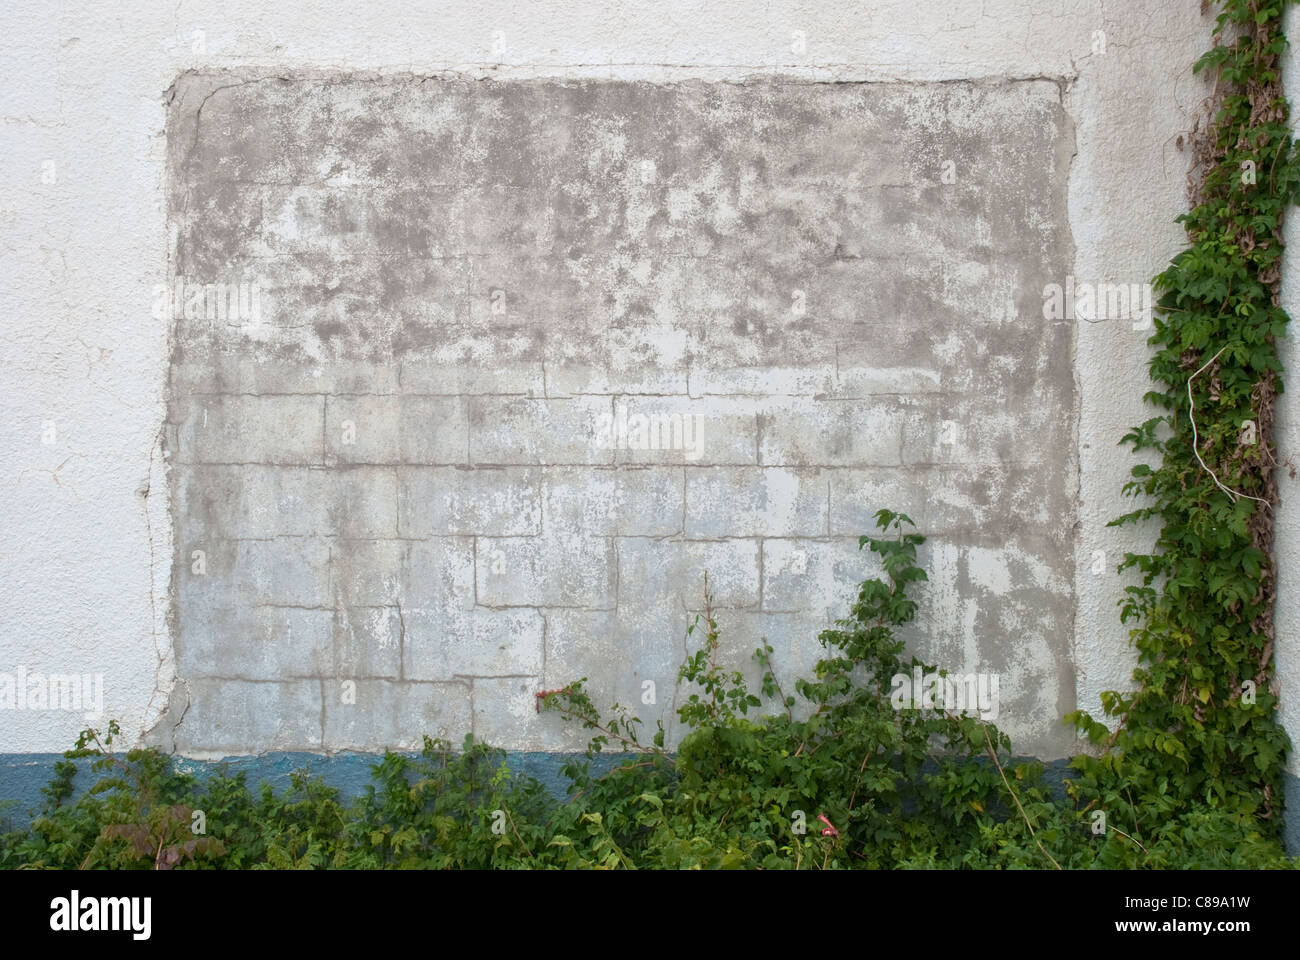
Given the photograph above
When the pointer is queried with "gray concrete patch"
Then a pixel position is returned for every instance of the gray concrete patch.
(527, 358)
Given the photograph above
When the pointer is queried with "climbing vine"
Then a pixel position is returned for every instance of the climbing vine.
(1201, 726)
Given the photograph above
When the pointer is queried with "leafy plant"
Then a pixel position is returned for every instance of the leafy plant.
(1201, 729)
(841, 774)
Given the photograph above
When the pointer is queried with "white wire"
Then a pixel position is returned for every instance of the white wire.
(1191, 415)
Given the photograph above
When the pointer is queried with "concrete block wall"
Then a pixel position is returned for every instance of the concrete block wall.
(530, 359)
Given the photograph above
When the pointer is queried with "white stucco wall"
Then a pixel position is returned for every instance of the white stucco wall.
(1286, 530)
(86, 556)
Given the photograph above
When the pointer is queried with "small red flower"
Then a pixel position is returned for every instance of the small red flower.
(546, 693)
(830, 830)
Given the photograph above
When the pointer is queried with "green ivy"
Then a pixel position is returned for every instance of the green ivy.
(1201, 728)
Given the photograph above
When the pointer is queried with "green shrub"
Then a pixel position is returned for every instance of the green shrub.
(836, 777)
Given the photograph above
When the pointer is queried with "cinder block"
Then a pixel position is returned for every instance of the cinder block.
(640, 359)
(1022, 566)
(252, 501)
(505, 711)
(388, 429)
(496, 216)
(649, 501)
(509, 293)
(367, 642)
(209, 372)
(620, 652)
(756, 502)
(341, 221)
(669, 574)
(763, 380)
(580, 501)
(259, 143)
(285, 570)
(243, 501)
(856, 494)
(247, 429)
(288, 571)
(362, 502)
(986, 293)
(863, 382)
(608, 501)
(819, 577)
(368, 573)
(975, 503)
(363, 429)
(517, 430)
(254, 642)
(240, 717)
(424, 304)
(452, 501)
(476, 365)
(575, 378)
(944, 617)
(388, 715)
(547, 571)
(683, 430)
(960, 430)
(446, 643)
(204, 255)
(802, 432)
(286, 501)
(438, 575)
(795, 652)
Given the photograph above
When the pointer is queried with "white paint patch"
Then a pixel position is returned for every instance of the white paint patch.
(988, 569)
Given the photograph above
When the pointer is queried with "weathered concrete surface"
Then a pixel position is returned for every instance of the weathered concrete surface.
(402, 473)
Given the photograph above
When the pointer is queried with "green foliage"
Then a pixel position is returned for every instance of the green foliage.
(896, 784)
(1201, 727)
(132, 817)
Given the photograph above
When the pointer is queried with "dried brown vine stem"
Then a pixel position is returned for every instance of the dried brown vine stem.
(1127, 837)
